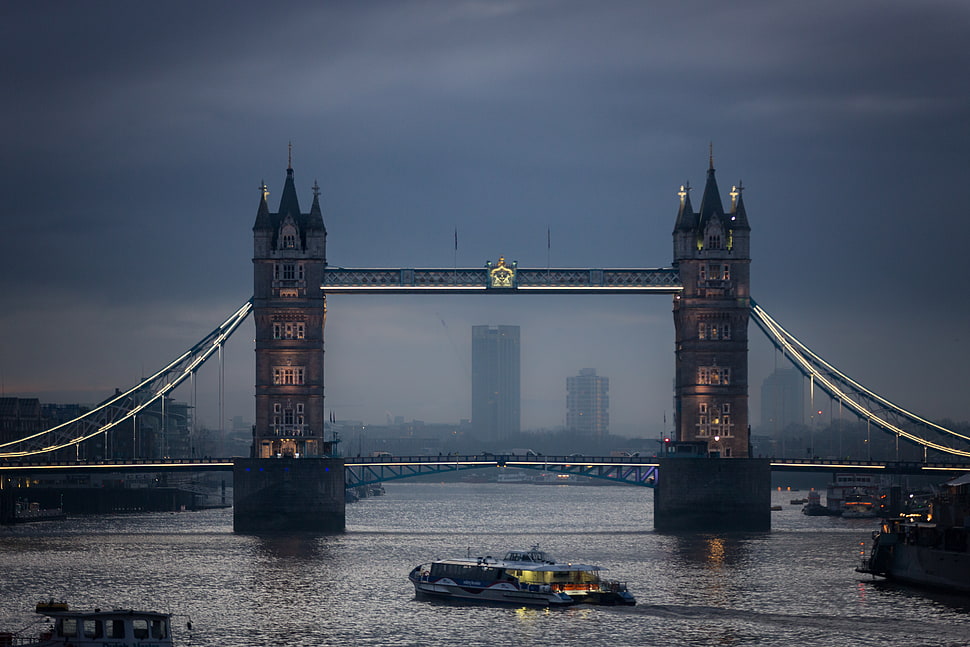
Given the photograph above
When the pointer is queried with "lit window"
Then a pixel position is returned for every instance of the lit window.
(288, 375)
(714, 375)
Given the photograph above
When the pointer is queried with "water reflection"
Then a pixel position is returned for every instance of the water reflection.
(300, 547)
(713, 551)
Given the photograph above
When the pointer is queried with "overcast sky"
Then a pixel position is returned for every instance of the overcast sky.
(136, 136)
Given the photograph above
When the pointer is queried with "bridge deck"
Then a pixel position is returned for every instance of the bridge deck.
(642, 471)
(339, 280)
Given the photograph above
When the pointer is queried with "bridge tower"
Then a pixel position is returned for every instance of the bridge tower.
(292, 482)
(712, 254)
(289, 258)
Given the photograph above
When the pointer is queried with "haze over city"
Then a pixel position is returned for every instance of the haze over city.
(547, 132)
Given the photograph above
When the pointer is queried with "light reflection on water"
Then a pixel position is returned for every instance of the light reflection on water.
(795, 585)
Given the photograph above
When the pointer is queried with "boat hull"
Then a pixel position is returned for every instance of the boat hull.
(923, 566)
(498, 593)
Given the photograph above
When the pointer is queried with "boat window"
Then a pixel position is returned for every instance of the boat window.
(140, 626)
(68, 627)
(158, 629)
(465, 571)
(92, 629)
(115, 628)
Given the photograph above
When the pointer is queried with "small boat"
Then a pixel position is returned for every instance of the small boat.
(522, 577)
(65, 627)
(814, 508)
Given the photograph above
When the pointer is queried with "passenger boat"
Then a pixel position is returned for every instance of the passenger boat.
(65, 627)
(525, 577)
(931, 552)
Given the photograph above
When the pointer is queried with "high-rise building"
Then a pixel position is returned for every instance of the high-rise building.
(782, 400)
(289, 260)
(711, 253)
(588, 404)
(496, 396)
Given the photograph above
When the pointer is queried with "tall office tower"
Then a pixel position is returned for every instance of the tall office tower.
(289, 260)
(782, 400)
(711, 253)
(588, 404)
(496, 397)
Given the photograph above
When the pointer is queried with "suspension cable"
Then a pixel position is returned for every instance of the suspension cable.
(809, 364)
(189, 361)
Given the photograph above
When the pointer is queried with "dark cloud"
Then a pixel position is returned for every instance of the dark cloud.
(136, 136)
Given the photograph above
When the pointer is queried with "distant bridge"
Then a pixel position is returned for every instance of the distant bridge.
(359, 471)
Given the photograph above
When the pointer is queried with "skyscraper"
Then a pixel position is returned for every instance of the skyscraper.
(496, 397)
(588, 404)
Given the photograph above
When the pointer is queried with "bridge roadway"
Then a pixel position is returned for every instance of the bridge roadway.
(632, 470)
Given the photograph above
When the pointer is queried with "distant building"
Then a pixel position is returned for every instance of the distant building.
(782, 400)
(20, 417)
(496, 395)
(588, 404)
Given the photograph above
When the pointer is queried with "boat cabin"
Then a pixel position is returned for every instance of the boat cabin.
(120, 626)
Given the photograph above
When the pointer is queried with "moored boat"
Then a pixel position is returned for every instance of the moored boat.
(814, 508)
(932, 552)
(65, 627)
(529, 577)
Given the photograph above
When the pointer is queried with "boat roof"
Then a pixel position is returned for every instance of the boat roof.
(523, 560)
(98, 613)
(519, 565)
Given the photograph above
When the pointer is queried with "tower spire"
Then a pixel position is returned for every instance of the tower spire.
(289, 157)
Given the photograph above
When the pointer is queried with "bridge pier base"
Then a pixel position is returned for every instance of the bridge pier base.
(288, 494)
(713, 495)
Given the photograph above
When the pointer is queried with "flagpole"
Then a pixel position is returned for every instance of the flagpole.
(548, 250)
(455, 268)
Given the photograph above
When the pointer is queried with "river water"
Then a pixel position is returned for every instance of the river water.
(793, 586)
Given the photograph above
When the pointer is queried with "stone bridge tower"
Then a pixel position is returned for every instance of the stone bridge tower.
(712, 254)
(289, 259)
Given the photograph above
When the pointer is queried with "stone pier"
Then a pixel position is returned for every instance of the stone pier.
(713, 495)
(288, 494)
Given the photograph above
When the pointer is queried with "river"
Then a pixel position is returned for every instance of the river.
(793, 586)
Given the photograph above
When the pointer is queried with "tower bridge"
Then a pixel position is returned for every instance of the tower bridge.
(709, 281)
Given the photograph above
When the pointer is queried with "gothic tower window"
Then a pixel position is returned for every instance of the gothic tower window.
(288, 237)
(714, 375)
(288, 330)
(288, 375)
